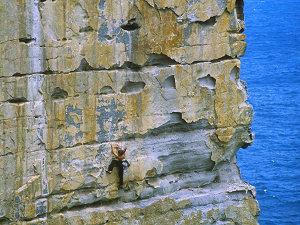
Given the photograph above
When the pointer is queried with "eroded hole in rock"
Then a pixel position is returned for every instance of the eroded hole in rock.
(175, 123)
(208, 82)
(106, 90)
(59, 93)
(209, 23)
(120, 120)
(239, 5)
(169, 88)
(130, 25)
(108, 37)
(176, 118)
(60, 126)
(26, 40)
(245, 145)
(18, 100)
(86, 29)
(133, 87)
(234, 74)
(131, 65)
(84, 66)
(169, 83)
(160, 60)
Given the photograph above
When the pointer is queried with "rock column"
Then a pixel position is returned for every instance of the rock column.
(160, 77)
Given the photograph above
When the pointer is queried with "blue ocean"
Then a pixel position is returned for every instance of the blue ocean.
(271, 68)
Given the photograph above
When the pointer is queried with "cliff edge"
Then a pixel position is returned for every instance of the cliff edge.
(160, 77)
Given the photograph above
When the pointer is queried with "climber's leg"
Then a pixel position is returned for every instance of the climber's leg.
(112, 165)
(120, 167)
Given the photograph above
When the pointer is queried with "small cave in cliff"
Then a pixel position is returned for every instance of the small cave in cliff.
(169, 88)
(26, 40)
(208, 23)
(131, 25)
(59, 93)
(85, 29)
(133, 87)
(234, 74)
(17, 75)
(19, 100)
(239, 5)
(130, 65)
(176, 118)
(106, 90)
(160, 60)
(84, 66)
(169, 83)
(208, 82)
(176, 123)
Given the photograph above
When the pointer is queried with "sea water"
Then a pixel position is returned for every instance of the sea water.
(271, 68)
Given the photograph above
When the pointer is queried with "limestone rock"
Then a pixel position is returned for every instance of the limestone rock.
(160, 77)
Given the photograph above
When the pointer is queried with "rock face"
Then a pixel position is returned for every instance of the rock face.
(160, 77)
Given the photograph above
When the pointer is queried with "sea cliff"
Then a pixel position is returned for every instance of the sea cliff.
(160, 77)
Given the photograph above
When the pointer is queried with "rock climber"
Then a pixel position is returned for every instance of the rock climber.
(120, 162)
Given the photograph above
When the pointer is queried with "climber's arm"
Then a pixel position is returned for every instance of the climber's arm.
(124, 150)
(113, 150)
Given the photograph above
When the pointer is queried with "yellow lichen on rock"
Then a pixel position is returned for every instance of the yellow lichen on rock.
(160, 77)
(82, 34)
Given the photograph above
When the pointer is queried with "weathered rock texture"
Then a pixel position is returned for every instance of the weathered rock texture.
(158, 76)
